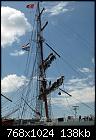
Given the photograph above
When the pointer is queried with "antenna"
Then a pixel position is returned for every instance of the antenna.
(75, 108)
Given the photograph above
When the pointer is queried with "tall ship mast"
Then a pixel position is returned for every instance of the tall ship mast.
(43, 89)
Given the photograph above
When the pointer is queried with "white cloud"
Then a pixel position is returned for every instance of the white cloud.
(84, 70)
(13, 25)
(78, 96)
(76, 80)
(80, 83)
(93, 60)
(60, 7)
(11, 83)
(17, 53)
(76, 83)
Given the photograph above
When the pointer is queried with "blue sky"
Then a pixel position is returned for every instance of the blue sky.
(70, 31)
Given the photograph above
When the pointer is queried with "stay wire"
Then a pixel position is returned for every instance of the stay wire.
(29, 84)
(29, 52)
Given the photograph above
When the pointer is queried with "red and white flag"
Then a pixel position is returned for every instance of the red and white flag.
(30, 6)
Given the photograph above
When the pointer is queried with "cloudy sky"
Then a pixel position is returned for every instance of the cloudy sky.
(70, 31)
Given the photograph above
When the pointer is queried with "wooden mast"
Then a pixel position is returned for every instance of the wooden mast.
(44, 91)
(42, 75)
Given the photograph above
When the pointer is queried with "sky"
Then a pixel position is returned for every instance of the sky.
(70, 32)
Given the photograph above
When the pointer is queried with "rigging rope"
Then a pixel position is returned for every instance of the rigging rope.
(73, 68)
(29, 52)
(81, 101)
(29, 85)
(28, 60)
(68, 102)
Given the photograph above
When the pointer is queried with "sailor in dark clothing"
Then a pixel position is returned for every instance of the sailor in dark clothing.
(79, 118)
